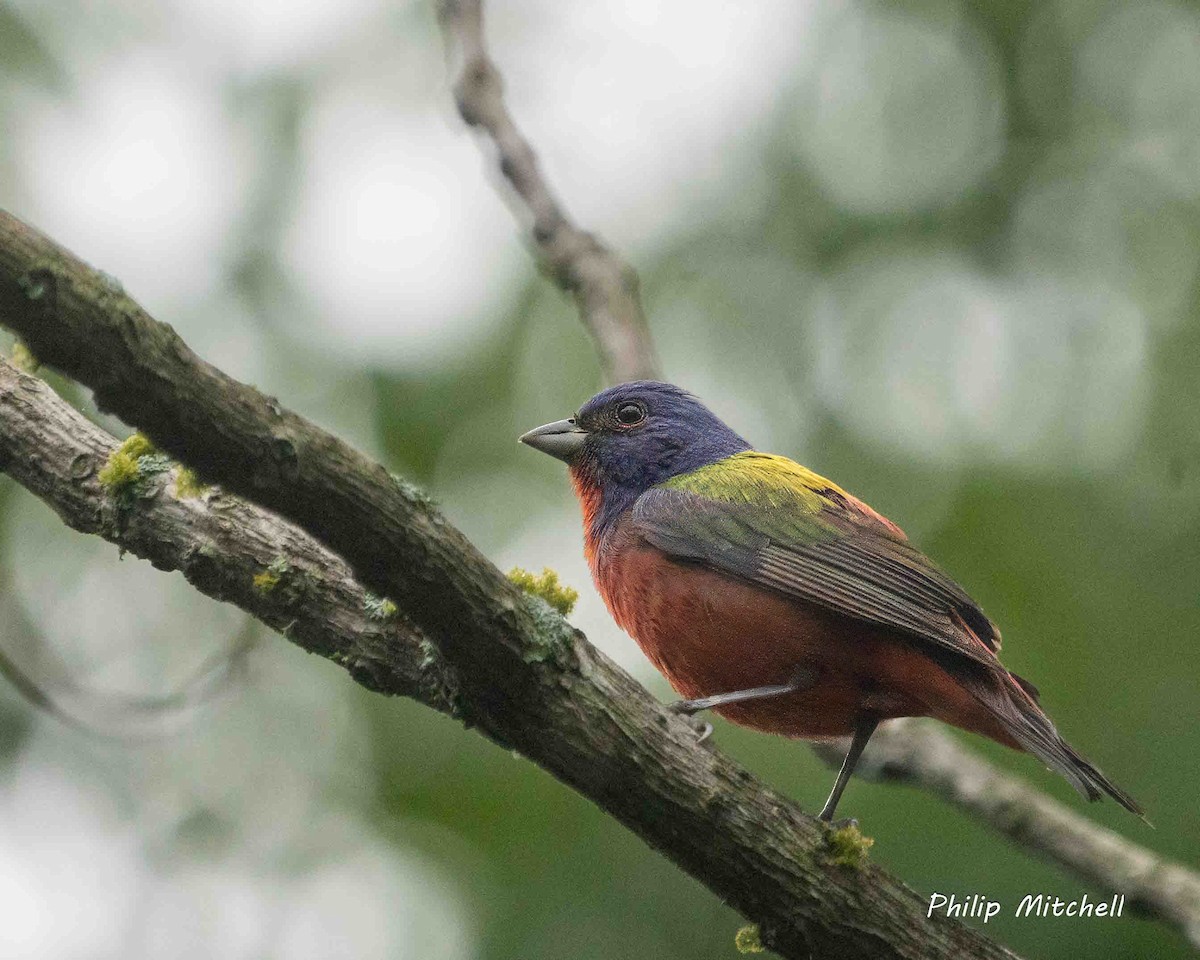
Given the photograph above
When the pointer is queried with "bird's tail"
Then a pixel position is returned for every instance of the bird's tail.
(1017, 709)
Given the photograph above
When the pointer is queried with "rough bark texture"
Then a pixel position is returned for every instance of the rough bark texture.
(219, 542)
(523, 676)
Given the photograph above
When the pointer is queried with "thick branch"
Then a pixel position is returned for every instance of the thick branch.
(604, 286)
(219, 542)
(523, 676)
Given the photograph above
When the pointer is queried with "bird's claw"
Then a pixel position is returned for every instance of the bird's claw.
(843, 823)
(687, 710)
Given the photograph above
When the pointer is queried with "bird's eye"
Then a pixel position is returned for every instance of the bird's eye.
(631, 414)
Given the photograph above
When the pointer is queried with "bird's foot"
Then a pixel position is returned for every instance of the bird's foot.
(703, 728)
(842, 823)
(687, 709)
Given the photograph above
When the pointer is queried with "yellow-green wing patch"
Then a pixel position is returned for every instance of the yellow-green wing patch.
(772, 522)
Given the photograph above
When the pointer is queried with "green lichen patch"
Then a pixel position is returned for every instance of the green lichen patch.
(133, 461)
(749, 940)
(848, 847)
(379, 608)
(267, 579)
(35, 283)
(128, 476)
(150, 464)
(138, 445)
(414, 493)
(431, 656)
(120, 473)
(442, 678)
(552, 636)
(23, 359)
(546, 586)
(137, 460)
(123, 468)
(188, 485)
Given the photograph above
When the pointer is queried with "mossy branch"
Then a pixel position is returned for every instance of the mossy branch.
(761, 854)
(546, 586)
(222, 545)
(509, 666)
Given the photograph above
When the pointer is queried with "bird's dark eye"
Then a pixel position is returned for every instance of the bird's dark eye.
(631, 414)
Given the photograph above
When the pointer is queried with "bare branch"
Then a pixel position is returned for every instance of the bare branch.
(918, 753)
(604, 286)
(523, 676)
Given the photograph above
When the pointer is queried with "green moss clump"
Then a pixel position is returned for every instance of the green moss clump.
(129, 463)
(546, 586)
(849, 848)
(133, 460)
(265, 581)
(120, 473)
(137, 446)
(748, 940)
(188, 485)
(23, 359)
(271, 576)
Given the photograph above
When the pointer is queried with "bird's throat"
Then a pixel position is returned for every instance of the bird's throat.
(602, 505)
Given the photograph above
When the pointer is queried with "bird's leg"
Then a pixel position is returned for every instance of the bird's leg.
(802, 679)
(862, 733)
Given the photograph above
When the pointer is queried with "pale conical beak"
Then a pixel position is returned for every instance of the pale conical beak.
(561, 439)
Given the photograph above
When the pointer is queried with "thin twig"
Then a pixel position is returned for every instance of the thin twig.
(51, 687)
(603, 285)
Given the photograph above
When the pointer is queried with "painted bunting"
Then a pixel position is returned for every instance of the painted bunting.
(771, 595)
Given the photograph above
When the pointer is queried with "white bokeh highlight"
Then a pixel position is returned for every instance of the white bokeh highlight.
(140, 172)
(268, 35)
(398, 237)
(645, 114)
(875, 67)
(922, 351)
(69, 875)
(98, 861)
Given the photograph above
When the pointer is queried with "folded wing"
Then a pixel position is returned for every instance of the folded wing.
(772, 522)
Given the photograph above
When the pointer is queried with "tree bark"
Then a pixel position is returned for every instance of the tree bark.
(522, 675)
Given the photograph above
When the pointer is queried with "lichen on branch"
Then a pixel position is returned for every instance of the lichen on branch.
(547, 586)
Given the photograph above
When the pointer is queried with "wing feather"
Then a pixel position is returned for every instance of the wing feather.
(772, 522)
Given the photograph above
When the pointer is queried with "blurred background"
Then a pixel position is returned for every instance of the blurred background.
(943, 252)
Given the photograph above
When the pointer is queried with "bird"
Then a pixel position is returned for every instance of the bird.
(768, 594)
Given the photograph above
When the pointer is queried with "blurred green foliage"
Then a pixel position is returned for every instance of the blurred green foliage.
(1053, 467)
